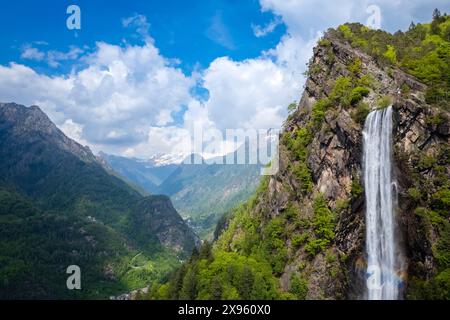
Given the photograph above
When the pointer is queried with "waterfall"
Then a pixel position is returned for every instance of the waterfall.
(381, 198)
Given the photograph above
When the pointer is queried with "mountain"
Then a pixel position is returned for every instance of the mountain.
(146, 174)
(163, 160)
(60, 207)
(201, 193)
(302, 235)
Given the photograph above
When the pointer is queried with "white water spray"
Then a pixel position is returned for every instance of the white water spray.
(381, 199)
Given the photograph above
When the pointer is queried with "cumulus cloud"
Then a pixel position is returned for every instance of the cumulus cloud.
(116, 98)
(162, 140)
(240, 93)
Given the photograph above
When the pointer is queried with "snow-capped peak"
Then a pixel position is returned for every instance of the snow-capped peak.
(160, 160)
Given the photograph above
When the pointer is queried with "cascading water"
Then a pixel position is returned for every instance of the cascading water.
(381, 198)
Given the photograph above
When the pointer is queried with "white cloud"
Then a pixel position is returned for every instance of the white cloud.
(74, 131)
(22, 84)
(261, 31)
(307, 17)
(116, 98)
(32, 53)
(140, 24)
(240, 92)
(164, 117)
(162, 140)
(123, 100)
(52, 57)
(219, 32)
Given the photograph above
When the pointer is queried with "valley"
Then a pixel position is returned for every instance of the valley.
(201, 193)
(59, 207)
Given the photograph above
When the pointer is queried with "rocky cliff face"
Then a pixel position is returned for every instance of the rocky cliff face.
(156, 215)
(422, 154)
(318, 192)
(33, 124)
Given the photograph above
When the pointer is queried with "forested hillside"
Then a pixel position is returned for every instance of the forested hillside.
(59, 207)
(201, 193)
(301, 236)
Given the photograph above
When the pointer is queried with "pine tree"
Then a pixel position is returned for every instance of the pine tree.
(205, 251)
(246, 283)
(189, 288)
(437, 19)
(436, 14)
(176, 284)
(216, 288)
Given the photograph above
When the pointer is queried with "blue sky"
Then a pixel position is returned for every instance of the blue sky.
(140, 75)
(195, 32)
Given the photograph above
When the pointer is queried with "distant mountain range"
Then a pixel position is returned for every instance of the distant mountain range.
(145, 175)
(60, 207)
(201, 193)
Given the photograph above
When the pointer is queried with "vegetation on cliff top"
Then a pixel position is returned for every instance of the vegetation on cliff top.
(423, 51)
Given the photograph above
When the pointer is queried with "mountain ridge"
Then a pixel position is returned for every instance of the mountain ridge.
(77, 208)
(201, 192)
